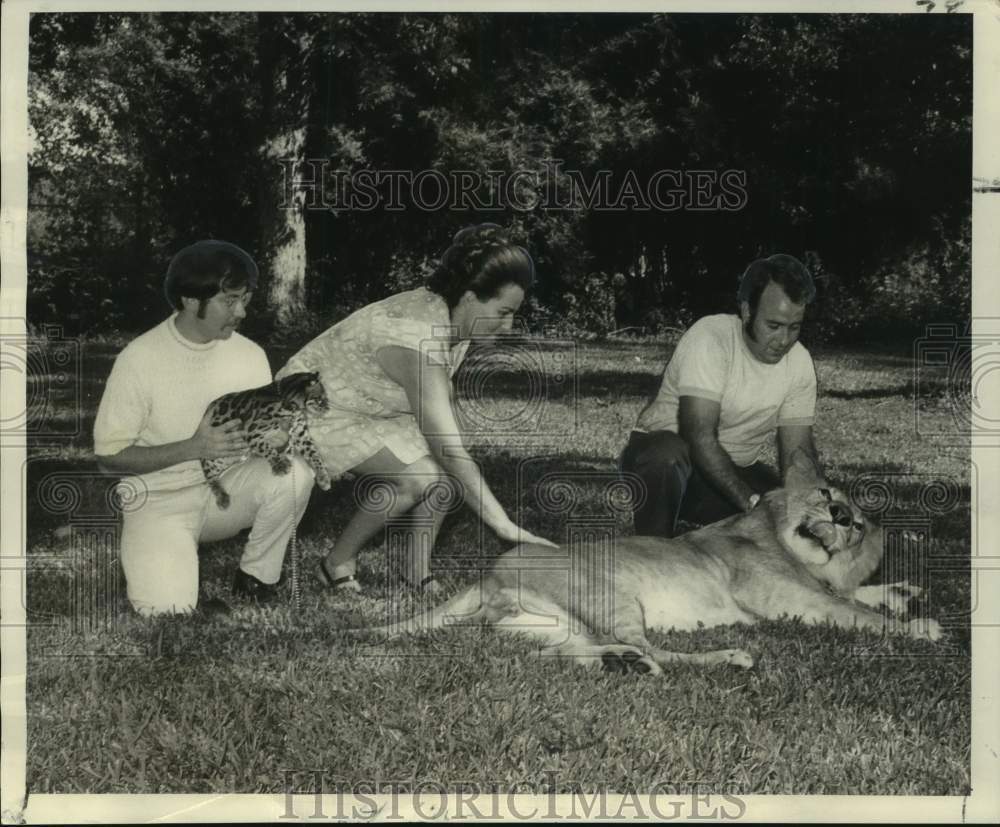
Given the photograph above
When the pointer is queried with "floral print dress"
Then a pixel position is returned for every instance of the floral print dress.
(368, 410)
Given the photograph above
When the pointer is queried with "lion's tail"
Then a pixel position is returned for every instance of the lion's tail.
(453, 611)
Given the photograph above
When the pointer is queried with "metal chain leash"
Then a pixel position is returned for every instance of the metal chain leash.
(294, 549)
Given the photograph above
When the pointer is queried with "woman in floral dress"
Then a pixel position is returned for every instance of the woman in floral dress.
(387, 371)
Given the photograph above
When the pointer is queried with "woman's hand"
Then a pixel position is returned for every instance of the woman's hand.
(428, 388)
(513, 533)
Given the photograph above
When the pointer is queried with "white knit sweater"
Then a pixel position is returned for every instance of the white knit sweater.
(159, 388)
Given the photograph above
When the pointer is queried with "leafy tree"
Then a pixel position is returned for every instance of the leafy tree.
(853, 133)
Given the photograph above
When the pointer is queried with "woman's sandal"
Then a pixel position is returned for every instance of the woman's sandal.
(346, 583)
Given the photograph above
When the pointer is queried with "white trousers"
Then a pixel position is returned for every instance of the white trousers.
(159, 547)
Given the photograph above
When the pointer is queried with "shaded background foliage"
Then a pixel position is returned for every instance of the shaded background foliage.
(854, 132)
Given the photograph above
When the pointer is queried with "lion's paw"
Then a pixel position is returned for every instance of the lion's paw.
(737, 657)
(629, 660)
(924, 628)
(907, 589)
(896, 602)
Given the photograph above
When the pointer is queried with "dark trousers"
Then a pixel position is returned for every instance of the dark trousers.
(666, 485)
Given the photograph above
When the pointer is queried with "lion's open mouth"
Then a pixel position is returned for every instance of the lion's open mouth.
(830, 538)
(820, 532)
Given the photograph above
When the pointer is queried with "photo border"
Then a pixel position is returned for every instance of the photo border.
(981, 805)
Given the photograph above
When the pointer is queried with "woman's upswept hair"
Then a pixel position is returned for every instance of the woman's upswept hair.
(786, 271)
(202, 269)
(483, 259)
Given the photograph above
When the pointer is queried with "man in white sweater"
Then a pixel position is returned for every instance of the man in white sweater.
(733, 384)
(151, 424)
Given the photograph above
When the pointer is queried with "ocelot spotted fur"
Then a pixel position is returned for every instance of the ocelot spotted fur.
(282, 406)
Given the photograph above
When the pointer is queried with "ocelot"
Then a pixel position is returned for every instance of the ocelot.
(281, 406)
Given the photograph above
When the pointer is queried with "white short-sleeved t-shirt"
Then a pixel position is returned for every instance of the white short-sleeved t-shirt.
(159, 388)
(712, 361)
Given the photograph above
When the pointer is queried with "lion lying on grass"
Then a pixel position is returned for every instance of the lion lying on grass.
(803, 552)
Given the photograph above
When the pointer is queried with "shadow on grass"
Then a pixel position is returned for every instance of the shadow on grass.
(61, 490)
(488, 379)
(879, 356)
(927, 389)
(499, 384)
(871, 393)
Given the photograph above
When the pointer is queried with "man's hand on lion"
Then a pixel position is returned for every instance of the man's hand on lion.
(802, 469)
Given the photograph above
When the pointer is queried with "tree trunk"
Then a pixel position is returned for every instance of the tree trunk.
(285, 90)
(285, 238)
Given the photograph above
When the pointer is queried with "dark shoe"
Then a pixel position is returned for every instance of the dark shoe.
(213, 607)
(429, 585)
(249, 587)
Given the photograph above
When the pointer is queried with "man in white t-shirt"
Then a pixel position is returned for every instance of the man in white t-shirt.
(151, 426)
(733, 384)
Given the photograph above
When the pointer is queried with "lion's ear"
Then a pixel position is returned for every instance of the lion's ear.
(803, 472)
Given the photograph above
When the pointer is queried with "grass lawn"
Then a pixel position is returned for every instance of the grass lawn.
(234, 704)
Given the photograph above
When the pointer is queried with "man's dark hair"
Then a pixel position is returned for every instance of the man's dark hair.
(787, 272)
(204, 268)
